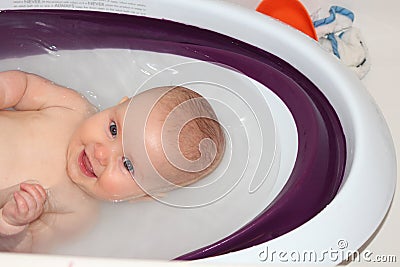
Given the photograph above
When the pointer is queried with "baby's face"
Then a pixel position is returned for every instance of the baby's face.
(95, 157)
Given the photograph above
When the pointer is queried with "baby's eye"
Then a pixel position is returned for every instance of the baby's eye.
(128, 164)
(113, 129)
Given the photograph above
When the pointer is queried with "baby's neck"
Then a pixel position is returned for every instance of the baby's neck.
(66, 197)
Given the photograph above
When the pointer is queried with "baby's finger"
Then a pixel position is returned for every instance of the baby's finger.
(30, 200)
(33, 190)
(22, 205)
(41, 190)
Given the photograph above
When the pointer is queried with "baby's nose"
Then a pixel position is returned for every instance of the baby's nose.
(105, 153)
(101, 153)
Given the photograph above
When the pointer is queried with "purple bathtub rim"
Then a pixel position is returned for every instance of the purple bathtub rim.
(319, 121)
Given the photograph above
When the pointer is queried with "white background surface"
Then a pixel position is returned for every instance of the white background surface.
(379, 23)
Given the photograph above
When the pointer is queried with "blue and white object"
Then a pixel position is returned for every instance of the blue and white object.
(337, 35)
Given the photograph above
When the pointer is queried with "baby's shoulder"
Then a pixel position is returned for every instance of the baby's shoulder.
(83, 105)
(72, 100)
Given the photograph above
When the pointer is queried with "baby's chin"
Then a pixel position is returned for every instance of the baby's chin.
(133, 198)
(117, 199)
(106, 196)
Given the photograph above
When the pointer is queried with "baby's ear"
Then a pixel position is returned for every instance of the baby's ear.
(125, 98)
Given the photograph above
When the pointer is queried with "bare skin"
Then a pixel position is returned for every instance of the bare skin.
(59, 156)
(48, 190)
(32, 193)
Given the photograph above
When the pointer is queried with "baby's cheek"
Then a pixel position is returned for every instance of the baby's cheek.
(118, 188)
(112, 186)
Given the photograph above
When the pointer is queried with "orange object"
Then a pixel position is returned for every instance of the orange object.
(291, 12)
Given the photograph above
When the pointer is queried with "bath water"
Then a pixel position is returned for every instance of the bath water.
(255, 167)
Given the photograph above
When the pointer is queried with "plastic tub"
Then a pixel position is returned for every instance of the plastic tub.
(331, 141)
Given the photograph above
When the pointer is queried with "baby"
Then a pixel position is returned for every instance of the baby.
(59, 155)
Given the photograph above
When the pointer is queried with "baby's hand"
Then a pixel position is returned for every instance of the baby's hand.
(26, 205)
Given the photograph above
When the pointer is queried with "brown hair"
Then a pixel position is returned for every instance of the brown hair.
(194, 135)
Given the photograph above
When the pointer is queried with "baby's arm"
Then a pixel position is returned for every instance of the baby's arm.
(49, 224)
(25, 91)
(26, 205)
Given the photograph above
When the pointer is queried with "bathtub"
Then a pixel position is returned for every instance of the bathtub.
(323, 140)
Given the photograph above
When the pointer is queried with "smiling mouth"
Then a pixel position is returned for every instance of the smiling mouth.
(85, 165)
